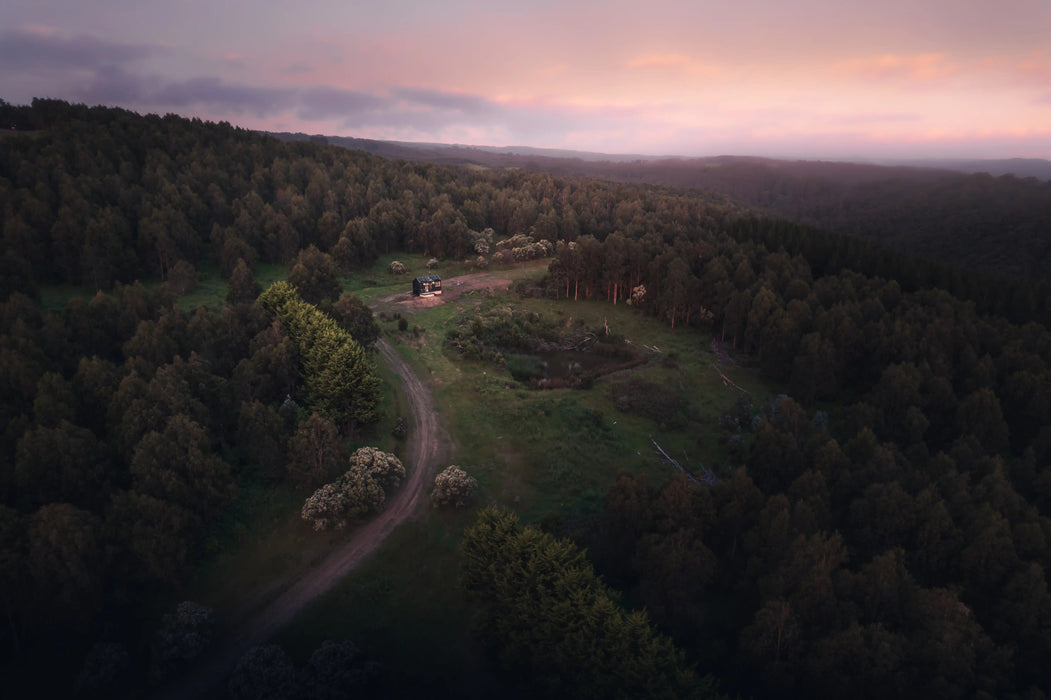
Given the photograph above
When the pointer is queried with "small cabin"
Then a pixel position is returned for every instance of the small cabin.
(427, 285)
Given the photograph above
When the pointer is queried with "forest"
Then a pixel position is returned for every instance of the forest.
(971, 220)
(879, 528)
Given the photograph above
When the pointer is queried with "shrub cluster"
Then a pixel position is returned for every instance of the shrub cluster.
(487, 336)
(453, 487)
(522, 247)
(361, 490)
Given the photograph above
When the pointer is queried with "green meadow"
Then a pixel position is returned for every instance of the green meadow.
(550, 455)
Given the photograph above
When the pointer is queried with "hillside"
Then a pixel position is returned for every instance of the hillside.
(950, 212)
(853, 497)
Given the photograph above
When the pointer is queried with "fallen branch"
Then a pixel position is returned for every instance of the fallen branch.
(671, 460)
(727, 381)
(720, 353)
(652, 348)
(588, 339)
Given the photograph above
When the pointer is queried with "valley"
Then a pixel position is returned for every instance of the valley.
(802, 462)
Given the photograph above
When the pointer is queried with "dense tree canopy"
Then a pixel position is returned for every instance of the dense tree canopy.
(115, 461)
(340, 380)
(551, 622)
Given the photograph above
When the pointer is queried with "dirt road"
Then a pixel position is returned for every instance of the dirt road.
(425, 450)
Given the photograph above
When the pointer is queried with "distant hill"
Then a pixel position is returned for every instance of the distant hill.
(974, 214)
(417, 150)
(556, 158)
(1019, 167)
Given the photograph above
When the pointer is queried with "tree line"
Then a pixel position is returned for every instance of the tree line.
(101, 195)
(889, 519)
(974, 221)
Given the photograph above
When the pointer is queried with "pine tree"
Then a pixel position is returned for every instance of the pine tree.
(340, 380)
(548, 617)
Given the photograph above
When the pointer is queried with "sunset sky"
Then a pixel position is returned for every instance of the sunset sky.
(799, 78)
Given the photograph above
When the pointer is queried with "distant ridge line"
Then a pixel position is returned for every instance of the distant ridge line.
(443, 153)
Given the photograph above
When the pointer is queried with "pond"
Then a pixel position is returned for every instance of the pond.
(552, 369)
(562, 364)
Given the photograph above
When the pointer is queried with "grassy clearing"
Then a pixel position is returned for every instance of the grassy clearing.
(559, 450)
(537, 452)
(54, 297)
(404, 608)
(210, 291)
(211, 287)
(378, 282)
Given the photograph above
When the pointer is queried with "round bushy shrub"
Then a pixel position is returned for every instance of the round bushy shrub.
(453, 487)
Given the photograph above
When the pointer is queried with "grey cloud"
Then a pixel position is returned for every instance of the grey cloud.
(449, 101)
(215, 93)
(433, 111)
(402, 119)
(399, 107)
(98, 71)
(95, 72)
(26, 50)
(329, 103)
(114, 85)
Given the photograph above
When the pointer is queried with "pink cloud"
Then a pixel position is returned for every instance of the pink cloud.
(649, 66)
(39, 30)
(890, 67)
(659, 61)
(1036, 67)
(864, 118)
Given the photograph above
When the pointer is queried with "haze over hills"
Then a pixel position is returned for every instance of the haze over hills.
(992, 215)
(1039, 168)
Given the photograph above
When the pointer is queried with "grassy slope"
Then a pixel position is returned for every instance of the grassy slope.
(210, 290)
(539, 453)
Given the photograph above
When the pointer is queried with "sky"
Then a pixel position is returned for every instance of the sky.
(833, 79)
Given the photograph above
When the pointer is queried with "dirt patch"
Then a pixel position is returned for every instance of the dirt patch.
(452, 288)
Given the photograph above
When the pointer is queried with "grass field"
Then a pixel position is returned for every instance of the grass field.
(211, 288)
(540, 453)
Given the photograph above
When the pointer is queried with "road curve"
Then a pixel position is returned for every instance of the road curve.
(425, 448)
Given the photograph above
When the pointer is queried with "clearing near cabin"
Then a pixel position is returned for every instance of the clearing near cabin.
(451, 288)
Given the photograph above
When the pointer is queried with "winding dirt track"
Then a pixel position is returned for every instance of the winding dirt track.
(424, 451)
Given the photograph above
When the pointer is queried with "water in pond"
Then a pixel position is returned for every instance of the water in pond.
(562, 364)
